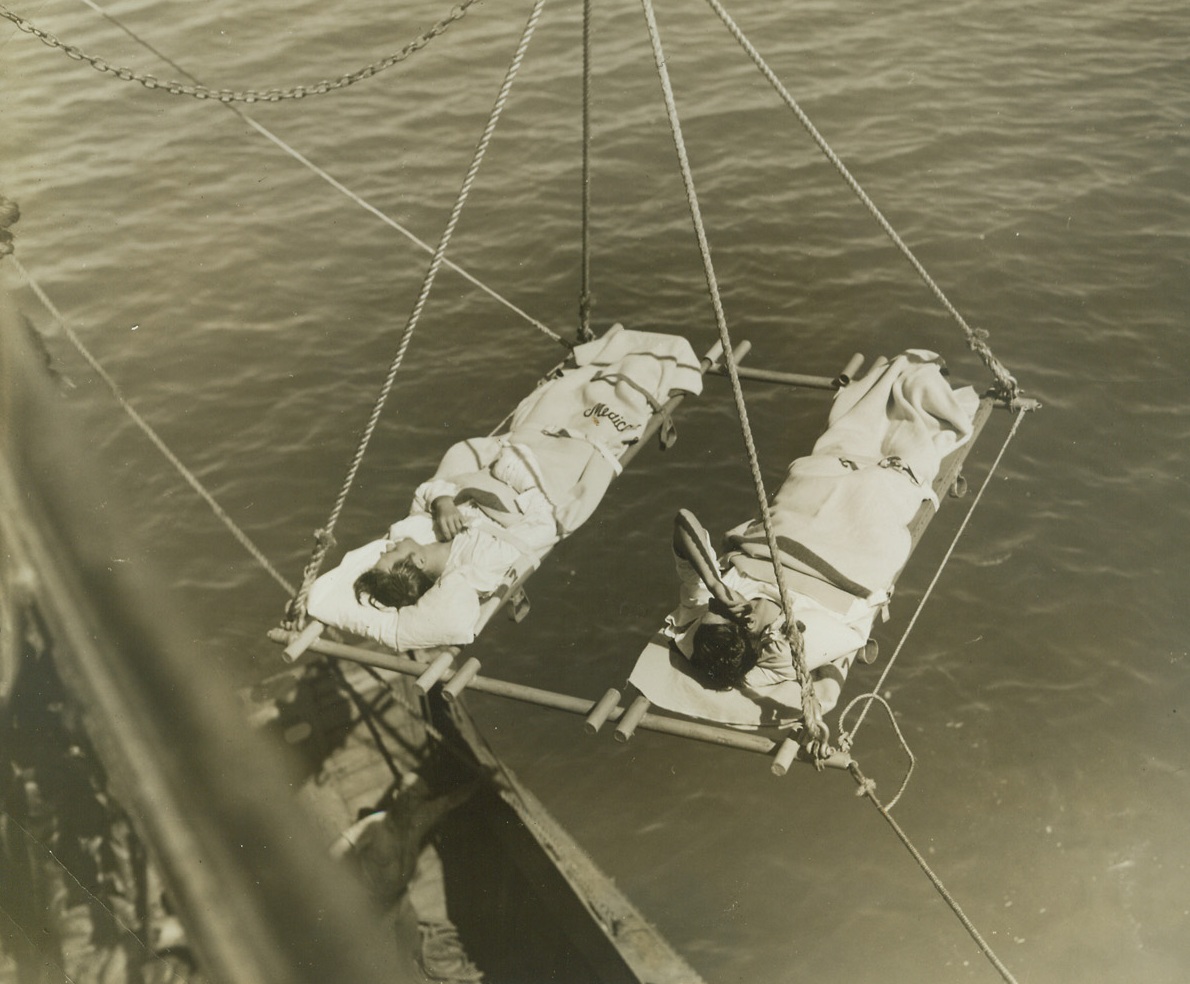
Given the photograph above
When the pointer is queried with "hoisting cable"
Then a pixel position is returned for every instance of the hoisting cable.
(976, 338)
(811, 708)
(323, 537)
(846, 739)
(333, 182)
(585, 334)
(867, 789)
(150, 433)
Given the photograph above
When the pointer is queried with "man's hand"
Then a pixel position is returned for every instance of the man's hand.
(730, 604)
(448, 521)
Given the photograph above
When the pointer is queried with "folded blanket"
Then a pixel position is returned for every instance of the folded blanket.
(666, 363)
(618, 383)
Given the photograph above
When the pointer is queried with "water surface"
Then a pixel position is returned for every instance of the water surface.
(1033, 156)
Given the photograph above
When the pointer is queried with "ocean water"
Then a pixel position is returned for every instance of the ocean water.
(1035, 158)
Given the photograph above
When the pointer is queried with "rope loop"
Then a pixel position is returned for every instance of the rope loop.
(847, 739)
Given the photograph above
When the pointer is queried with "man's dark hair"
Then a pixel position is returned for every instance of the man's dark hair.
(722, 654)
(396, 588)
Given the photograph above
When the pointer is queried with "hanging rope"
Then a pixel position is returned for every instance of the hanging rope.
(338, 186)
(976, 338)
(846, 740)
(811, 708)
(867, 788)
(324, 536)
(868, 698)
(150, 433)
(199, 91)
(585, 334)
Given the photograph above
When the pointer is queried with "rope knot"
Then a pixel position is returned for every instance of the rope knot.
(866, 787)
(295, 614)
(324, 538)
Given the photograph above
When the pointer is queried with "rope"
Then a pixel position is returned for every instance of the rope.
(845, 743)
(585, 334)
(810, 706)
(1016, 423)
(867, 788)
(325, 535)
(151, 434)
(976, 338)
(338, 186)
(199, 91)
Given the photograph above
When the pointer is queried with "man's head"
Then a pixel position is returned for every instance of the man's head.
(403, 574)
(723, 652)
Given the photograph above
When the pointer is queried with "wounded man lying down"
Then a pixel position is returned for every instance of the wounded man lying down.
(841, 523)
(496, 505)
(484, 509)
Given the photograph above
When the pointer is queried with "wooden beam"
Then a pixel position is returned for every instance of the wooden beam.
(794, 378)
(678, 727)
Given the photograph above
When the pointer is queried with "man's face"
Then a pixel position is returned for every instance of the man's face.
(400, 551)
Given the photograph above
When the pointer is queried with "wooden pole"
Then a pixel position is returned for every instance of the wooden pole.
(677, 727)
(797, 378)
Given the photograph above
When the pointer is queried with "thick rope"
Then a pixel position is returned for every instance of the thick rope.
(810, 706)
(150, 433)
(867, 788)
(325, 535)
(585, 334)
(976, 338)
(338, 186)
(1018, 417)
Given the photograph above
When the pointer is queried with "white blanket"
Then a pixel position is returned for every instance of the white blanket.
(617, 384)
(844, 510)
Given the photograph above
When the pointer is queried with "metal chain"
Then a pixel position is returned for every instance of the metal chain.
(324, 536)
(247, 95)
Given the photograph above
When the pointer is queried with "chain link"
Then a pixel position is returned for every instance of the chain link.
(247, 95)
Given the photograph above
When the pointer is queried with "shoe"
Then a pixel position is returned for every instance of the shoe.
(442, 956)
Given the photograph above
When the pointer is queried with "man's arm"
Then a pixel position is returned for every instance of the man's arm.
(692, 544)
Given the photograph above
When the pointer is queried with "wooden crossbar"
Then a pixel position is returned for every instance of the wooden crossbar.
(679, 727)
(795, 378)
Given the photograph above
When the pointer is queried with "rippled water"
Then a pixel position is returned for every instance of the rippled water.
(1035, 158)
